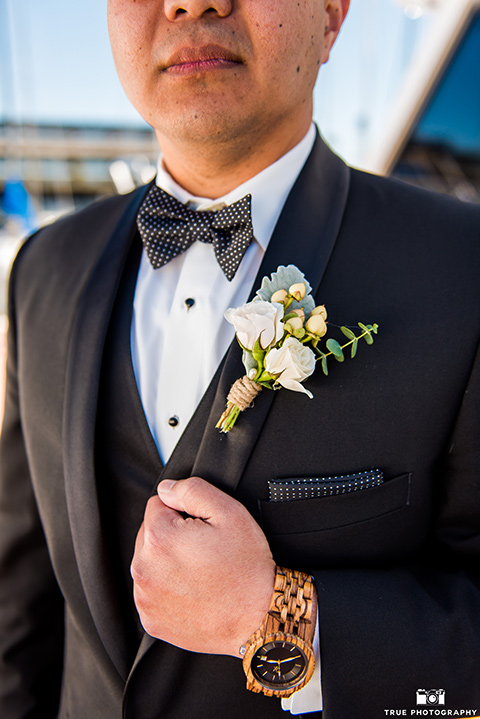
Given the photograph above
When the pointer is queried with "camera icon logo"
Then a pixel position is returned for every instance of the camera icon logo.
(430, 697)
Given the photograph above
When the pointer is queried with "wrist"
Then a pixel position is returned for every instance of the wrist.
(254, 607)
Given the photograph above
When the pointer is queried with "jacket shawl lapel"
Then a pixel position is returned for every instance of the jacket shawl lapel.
(83, 371)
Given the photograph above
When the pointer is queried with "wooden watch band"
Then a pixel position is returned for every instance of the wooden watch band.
(291, 607)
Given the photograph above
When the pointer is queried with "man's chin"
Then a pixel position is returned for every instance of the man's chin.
(199, 126)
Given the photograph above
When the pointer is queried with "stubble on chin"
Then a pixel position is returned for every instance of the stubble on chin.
(204, 118)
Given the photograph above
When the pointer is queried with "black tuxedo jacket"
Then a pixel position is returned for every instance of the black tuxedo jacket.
(396, 566)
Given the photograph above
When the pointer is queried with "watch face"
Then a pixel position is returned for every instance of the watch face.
(279, 665)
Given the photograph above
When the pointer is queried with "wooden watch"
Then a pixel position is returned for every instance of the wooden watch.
(278, 659)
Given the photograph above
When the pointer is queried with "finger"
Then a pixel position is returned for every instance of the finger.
(158, 519)
(195, 497)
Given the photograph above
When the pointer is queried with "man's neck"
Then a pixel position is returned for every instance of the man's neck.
(212, 170)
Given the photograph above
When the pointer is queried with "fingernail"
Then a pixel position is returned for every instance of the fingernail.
(166, 485)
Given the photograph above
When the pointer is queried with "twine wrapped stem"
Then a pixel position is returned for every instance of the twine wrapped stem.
(241, 395)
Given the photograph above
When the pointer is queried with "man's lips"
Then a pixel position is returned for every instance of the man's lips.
(198, 59)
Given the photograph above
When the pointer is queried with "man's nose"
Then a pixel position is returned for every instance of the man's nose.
(174, 9)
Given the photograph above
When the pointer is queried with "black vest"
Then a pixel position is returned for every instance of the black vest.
(128, 465)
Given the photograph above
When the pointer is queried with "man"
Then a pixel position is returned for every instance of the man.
(98, 337)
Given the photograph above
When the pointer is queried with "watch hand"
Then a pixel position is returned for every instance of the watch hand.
(289, 659)
(281, 661)
(271, 661)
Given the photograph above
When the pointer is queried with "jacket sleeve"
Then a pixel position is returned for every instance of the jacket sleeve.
(386, 633)
(31, 606)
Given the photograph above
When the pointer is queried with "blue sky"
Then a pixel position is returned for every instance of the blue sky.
(62, 68)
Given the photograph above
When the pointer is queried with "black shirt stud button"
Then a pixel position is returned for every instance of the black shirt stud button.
(189, 302)
(173, 421)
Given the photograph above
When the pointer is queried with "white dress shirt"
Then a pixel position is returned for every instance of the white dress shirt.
(179, 334)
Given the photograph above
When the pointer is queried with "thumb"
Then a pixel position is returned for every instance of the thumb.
(194, 496)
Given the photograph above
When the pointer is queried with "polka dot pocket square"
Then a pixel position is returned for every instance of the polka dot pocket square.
(288, 490)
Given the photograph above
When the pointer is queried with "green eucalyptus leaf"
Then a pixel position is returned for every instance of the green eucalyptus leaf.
(354, 348)
(363, 327)
(348, 333)
(335, 349)
(368, 339)
(324, 365)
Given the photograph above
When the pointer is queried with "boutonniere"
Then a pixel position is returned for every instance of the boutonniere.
(279, 333)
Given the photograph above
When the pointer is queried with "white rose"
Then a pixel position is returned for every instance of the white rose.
(257, 320)
(292, 363)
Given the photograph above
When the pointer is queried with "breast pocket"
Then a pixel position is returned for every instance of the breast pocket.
(362, 527)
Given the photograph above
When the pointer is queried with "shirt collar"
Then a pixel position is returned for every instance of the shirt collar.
(269, 189)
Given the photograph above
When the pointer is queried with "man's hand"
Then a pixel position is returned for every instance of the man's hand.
(203, 583)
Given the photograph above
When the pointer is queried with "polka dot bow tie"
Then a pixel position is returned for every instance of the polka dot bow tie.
(168, 228)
